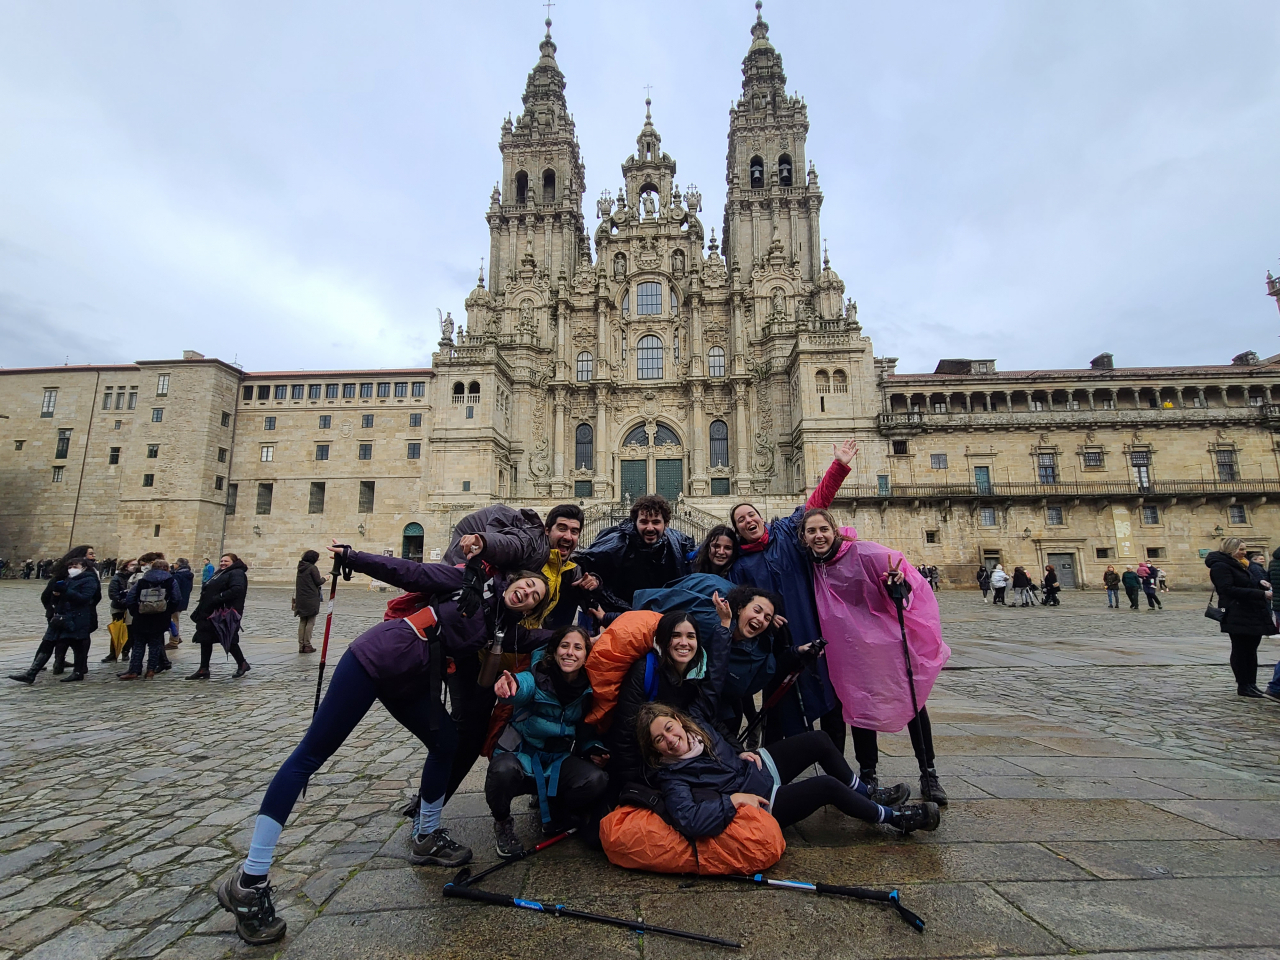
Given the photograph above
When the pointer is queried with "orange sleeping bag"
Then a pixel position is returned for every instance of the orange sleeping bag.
(621, 644)
(639, 839)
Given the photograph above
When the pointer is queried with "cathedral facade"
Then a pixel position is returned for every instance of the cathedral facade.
(645, 354)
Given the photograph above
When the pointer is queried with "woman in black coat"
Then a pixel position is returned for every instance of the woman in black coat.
(225, 590)
(70, 601)
(1247, 607)
(1051, 586)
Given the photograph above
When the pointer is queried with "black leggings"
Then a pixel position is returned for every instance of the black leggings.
(472, 707)
(794, 801)
(1244, 659)
(206, 652)
(581, 784)
(867, 751)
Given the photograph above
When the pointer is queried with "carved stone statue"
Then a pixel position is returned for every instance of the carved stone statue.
(650, 208)
(446, 326)
(779, 302)
(526, 313)
(693, 199)
(677, 263)
(604, 206)
(620, 266)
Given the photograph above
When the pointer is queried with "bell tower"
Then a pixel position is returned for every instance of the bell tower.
(770, 200)
(535, 213)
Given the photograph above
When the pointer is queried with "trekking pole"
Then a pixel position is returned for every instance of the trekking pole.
(787, 683)
(560, 910)
(464, 878)
(345, 573)
(898, 591)
(858, 893)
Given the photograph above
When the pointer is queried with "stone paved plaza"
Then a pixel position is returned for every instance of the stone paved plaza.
(1111, 796)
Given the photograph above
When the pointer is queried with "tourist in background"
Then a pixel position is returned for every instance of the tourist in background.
(1022, 584)
(307, 597)
(73, 593)
(1132, 583)
(1148, 574)
(152, 600)
(1111, 580)
(219, 611)
(117, 593)
(984, 581)
(1051, 586)
(1247, 611)
(999, 583)
(206, 574)
(1273, 688)
(185, 578)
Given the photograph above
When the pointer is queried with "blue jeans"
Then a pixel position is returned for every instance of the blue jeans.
(1113, 597)
(149, 639)
(350, 695)
(1274, 685)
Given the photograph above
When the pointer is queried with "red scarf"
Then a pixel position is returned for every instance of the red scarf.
(756, 546)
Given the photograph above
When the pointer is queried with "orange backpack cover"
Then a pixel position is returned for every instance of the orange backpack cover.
(639, 839)
(621, 644)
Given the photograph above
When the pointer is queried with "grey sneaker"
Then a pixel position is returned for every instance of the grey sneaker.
(931, 789)
(256, 920)
(438, 849)
(509, 844)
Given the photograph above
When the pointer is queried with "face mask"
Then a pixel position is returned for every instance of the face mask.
(74, 571)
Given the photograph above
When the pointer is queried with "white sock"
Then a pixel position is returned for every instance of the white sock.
(429, 815)
(266, 833)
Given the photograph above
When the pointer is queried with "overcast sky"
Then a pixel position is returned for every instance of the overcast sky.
(300, 185)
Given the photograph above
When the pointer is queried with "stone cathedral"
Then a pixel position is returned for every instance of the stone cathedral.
(627, 350)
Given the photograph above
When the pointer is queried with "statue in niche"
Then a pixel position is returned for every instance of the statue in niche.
(677, 263)
(693, 199)
(604, 206)
(528, 242)
(650, 208)
(620, 266)
(779, 302)
(526, 314)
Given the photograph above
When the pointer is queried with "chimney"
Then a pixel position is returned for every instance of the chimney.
(192, 355)
(1103, 361)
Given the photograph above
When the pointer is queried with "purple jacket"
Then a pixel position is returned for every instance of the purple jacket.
(391, 652)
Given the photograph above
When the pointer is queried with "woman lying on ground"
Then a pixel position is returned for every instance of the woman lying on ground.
(401, 663)
(704, 779)
(546, 749)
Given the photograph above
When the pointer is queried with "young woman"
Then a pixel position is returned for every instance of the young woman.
(1022, 583)
(1148, 576)
(718, 551)
(683, 671)
(546, 750)
(1247, 605)
(400, 663)
(1111, 580)
(222, 597)
(772, 558)
(151, 602)
(1051, 586)
(70, 600)
(984, 581)
(999, 584)
(60, 647)
(704, 779)
(117, 593)
(854, 583)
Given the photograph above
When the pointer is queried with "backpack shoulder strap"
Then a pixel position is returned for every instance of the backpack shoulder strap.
(651, 676)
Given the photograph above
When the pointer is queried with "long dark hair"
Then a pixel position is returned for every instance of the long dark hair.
(702, 559)
(662, 640)
(59, 569)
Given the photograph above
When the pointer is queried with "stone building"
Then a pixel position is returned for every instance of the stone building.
(647, 356)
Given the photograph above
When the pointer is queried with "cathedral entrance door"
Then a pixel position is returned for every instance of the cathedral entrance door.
(633, 479)
(670, 478)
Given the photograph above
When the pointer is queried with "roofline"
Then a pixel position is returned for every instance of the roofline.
(192, 361)
(278, 374)
(1110, 373)
(70, 368)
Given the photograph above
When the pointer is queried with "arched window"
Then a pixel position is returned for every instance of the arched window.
(522, 187)
(715, 360)
(839, 382)
(648, 299)
(784, 170)
(459, 389)
(675, 302)
(719, 443)
(664, 436)
(823, 380)
(548, 186)
(584, 448)
(649, 357)
(638, 437)
(584, 366)
(473, 389)
(757, 172)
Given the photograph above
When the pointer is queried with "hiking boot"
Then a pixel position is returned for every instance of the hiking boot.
(438, 849)
(241, 670)
(75, 676)
(171, 645)
(306, 648)
(199, 675)
(27, 677)
(256, 920)
(931, 789)
(917, 816)
(509, 844)
(149, 675)
(894, 796)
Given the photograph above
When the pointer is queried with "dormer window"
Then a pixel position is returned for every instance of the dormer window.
(757, 173)
(784, 170)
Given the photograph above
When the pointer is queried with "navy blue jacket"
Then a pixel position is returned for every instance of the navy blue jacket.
(75, 603)
(153, 578)
(625, 564)
(697, 791)
(185, 579)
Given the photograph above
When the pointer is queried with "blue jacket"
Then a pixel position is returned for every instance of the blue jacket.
(697, 791)
(543, 731)
(153, 578)
(76, 604)
(185, 579)
(783, 568)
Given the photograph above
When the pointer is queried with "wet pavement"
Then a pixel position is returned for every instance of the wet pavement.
(1110, 796)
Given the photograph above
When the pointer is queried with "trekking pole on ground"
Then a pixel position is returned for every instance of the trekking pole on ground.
(560, 910)
(464, 878)
(787, 683)
(858, 893)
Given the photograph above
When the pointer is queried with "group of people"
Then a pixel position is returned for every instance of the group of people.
(997, 582)
(1147, 579)
(147, 597)
(491, 651)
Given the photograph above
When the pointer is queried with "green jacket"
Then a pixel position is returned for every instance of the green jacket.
(1130, 580)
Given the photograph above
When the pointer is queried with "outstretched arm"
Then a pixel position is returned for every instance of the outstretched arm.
(836, 473)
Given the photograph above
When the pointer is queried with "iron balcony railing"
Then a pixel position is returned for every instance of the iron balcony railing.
(685, 517)
(1006, 491)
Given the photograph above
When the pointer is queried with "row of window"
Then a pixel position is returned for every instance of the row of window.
(648, 361)
(326, 421)
(663, 436)
(757, 171)
(330, 391)
(315, 500)
(1225, 461)
(364, 451)
(1056, 517)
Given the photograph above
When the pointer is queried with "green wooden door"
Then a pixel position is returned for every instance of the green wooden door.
(633, 478)
(670, 478)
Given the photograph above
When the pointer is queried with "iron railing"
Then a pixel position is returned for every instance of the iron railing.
(1013, 491)
(688, 519)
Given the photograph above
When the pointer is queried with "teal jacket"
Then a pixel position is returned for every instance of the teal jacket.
(543, 731)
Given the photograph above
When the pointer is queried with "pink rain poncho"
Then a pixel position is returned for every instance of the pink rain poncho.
(864, 641)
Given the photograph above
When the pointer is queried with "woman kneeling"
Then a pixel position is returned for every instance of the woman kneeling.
(704, 779)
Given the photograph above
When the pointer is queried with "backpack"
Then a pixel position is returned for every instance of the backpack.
(152, 598)
(651, 676)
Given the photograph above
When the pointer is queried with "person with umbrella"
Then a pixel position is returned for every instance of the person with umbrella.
(217, 615)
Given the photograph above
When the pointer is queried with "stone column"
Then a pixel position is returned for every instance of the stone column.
(1092, 405)
(697, 431)
(558, 436)
(602, 444)
(1200, 394)
(743, 444)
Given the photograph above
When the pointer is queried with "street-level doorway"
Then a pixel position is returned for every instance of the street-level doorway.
(411, 544)
(1065, 566)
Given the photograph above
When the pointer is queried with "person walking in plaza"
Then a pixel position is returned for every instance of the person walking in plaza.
(1022, 584)
(184, 578)
(152, 601)
(984, 581)
(307, 597)
(1148, 576)
(73, 593)
(1111, 581)
(1246, 606)
(1132, 584)
(65, 644)
(207, 571)
(999, 584)
(217, 615)
(1051, 586)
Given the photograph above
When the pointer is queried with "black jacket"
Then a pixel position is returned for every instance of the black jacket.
(118, 589)
(697, 791)
(1246, 604)
(227, 588)
(1273, 577)
(307, 595)
(1020, 579)
(513, 539)
(625, 563)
